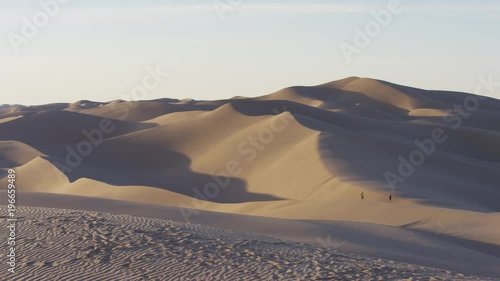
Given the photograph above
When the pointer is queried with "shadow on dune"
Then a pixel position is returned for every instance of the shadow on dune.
(342, 99)
(5, 164)
(446, 98)
(62, 127)
(3, 174)
(460, 174)
(483, 247)
(159, 167)
(147, 110)
(443, 180)
(360, 139)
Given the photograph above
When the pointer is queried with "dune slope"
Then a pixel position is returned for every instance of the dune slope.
(299, 153)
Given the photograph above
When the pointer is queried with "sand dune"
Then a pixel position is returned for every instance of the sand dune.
(140, 110)
(101, 246)
(14, 153)
(300, 153)
(60, 128)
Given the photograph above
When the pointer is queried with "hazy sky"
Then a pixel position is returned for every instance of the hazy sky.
(100, 49)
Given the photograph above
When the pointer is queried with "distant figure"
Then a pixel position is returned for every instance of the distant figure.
(390, 198)
(362, 196)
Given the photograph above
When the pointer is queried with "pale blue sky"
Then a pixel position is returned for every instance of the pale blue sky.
(99, 49)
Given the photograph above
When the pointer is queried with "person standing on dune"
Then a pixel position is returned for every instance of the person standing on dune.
(390, 198)
(362, 195)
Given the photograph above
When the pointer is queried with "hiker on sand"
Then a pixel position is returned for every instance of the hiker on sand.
(362, 195)
(390, 198)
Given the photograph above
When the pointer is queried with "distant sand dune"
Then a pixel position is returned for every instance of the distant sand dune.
(351, 130)
(298, 153)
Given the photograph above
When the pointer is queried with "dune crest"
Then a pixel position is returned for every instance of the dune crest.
(298, 153)
(334, 140)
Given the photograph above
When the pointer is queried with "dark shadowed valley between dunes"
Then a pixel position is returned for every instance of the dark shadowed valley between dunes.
(173, 189)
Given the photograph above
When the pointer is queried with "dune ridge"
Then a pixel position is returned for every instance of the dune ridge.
(299, 153)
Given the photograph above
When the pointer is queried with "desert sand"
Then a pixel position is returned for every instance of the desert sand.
(61, 244)
(243, 173)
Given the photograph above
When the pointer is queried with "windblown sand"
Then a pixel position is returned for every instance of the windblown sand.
(58, 244)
